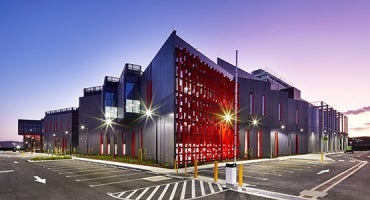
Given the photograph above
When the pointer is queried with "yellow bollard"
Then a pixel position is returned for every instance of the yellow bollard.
(216, 172)
(177, 167)
(322, 157)
(240, 178)
(195, 168)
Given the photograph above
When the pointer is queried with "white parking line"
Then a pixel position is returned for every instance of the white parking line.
(6, 171)
(78, 175)
(89, 170)
(117, 182)
(260, 178)
(103, 177)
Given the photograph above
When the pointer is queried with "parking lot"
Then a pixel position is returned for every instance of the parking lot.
(292, 176)
(125, 183)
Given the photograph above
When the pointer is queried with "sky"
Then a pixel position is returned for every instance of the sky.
(51, 50)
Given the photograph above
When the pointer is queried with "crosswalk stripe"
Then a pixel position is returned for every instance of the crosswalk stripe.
(183, 190)
(219, 187)
(202, 188)
(193, 189)
(132, 193)
(163, 192)
(120, 195)
(154, 191)
(146, 189)
(174, 191)
(211, 187)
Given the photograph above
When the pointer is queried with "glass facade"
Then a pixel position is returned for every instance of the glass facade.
(110, 105)
(132, 103)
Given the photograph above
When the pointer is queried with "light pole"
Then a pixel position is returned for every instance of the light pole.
(83, 127)
(149, 114)
(109, 122)
(70, 142)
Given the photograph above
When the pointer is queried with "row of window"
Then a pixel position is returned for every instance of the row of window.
(263, 108)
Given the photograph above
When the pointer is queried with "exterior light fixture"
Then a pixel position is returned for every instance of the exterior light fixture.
(227, 117)
(254, 122)
(282, 127)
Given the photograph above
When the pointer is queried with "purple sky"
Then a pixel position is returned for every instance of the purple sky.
(51, 50)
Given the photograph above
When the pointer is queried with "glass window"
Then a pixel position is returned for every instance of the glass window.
(251, 103)
(279, 111)
(263, 105)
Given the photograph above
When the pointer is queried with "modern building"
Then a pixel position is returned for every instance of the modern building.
(31, 130)
(61, 131)
(181, 108)
(328, 128)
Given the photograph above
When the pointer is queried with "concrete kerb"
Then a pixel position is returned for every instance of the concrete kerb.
(181, 171)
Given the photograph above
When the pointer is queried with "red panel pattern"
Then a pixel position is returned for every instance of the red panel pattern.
(203, 95)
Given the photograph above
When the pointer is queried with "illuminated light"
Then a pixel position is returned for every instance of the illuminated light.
(83, 127)
(301, 130)
(227, 117)
(108, 121)
(282, 127)
(254, 122)
(148, 113)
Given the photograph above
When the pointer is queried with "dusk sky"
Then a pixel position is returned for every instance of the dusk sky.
(51, 50)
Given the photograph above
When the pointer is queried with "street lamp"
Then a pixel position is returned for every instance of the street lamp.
(83, 127)
(149, 113)
(70, 142)
(109, 123)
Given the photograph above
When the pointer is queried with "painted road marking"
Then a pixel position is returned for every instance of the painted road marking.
(139, 197)
(116, 182)
(78, 175)
(269, 194)
(322, 189)
(103, 177)
(211, 187)
(156, 178)
(152, 194)
(88, 170)
(183, 190)
(6, 171)
(174, 191)
(202, 188)
(139, 193)
(164, 192)
(323, 171)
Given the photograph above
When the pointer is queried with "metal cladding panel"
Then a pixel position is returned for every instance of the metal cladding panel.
(203, 96)
(90, 111)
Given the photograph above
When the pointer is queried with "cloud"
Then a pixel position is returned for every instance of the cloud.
(359, 128)
(358, 111)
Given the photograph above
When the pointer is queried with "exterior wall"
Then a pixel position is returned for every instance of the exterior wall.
(61, 131)
(31, 130)
(158, 130)
(90, 111)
